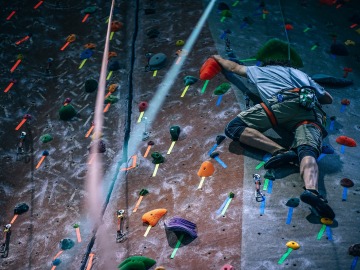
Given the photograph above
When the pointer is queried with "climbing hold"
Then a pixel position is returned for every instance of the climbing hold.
(209, 69)
(45, 153)
(46, 138)
(346, 182)
(345, 101)
(137, 263)
(160, 268)
(226, 13)
(180, 42)
(270, 174)
(71, 38)
(178, 224)
(157, 158)
(174, 132)
(293, 202)
(143, 105)
(354, 250)
(189, 80)
(288, 26)
(227, 267)
(223, 6)
(206, 169)
(346, 71)
(153, 33)
(347, 141)
(111, 99)
(214, 154)
(222, 89)
(276, 50)
(349, 42)
(56, 262)
(113, 65)
(67, 112)
(21, 208)
(91, 85)
(293, 245)
(339, 49)
(66, 243)
(149, 11)
(89, 46)
(152, 217)
(150, 143)
(86, 54)
(97, 147)
(157, 61)
(112, 54)
(219, 139)
(116, 26)
(90, 10)
(113, 87)
(326, 221)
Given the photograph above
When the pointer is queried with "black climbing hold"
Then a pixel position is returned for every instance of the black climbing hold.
(21, 208)
(223, 6)
(354, 250)
(91, 85)
(153, 33)
(66, 243)
(150, 143)
(219, 139)
(214, 154)
(149, 11)
(114, 65)
(157, 61)
(339, 49)
(293, 202)
(332, 118)
(157, 158)
(175, 132)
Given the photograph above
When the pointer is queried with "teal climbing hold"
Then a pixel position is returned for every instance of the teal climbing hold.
(46, 138)
(222, 89)
(175, 132)
(293, 202)
(137, 263)
(157, 158)
(189, 80)
(90, 10)
(111, 99)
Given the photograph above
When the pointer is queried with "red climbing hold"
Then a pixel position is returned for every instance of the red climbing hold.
(143, 105)
(209, 69)
(347, 141)
(289, 26)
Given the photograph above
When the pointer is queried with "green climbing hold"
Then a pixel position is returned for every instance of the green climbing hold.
(46, 138)
(76, 226)
(226, 13)
(180, 42)
(231, 195)
(91, 85)
(67, 112)
(143, 192)
(276, 51)
(90, 10)
(157, 158)
(137, 263)
(293, 202)
(189, 80)
(222, 89)
(111, 99)
(270, 174)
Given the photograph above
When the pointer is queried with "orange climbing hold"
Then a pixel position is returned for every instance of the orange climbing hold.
(345, 101)
(116, 26)
(207, 169)
(152, 217)
(209, 69)
(347, 141)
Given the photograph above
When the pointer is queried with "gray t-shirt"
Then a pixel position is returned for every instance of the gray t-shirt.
(269, 80)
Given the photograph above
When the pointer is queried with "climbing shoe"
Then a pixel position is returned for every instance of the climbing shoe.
(280, 158)
(316, 201)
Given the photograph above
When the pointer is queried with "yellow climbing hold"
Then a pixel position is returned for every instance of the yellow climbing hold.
(180, 42)
(326, 221)
(293, 245)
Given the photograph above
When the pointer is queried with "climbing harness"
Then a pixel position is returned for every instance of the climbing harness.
(258, 195)
(120, 235)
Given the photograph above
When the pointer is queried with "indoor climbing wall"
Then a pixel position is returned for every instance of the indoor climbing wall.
(175, 192)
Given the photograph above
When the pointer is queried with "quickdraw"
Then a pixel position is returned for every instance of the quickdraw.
(258, 195)
(120, 235)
